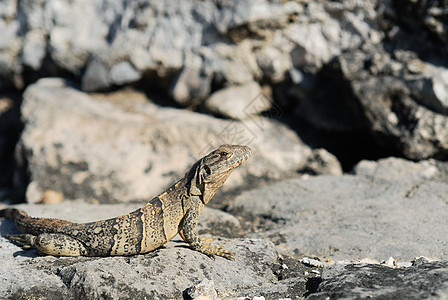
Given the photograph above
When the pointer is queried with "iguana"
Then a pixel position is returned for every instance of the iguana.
(177, 210)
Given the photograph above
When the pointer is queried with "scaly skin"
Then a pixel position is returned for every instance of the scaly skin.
(176, 210)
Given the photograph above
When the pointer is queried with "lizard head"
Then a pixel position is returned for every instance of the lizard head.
(212, 170)
(224, 160)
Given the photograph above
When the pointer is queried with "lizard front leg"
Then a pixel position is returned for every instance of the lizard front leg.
(201, 244)
(55, 244)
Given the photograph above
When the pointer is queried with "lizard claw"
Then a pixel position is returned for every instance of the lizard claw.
(206, 239)
(26, 241)
(211, 251)
(226, 254)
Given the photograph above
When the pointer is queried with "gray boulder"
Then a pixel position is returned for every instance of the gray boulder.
(190, 86)
(360, 281)
(391, 110)
(150, 37)
(350, 217)
(95, 76)
(382, 98)
(161, 274)
(239, 102)
(398, 169)
(123, 148)
(342, 67)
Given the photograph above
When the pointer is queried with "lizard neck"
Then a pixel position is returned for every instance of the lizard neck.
(210, 188)
(205, 189)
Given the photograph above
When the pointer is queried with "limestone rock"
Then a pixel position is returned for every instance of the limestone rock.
(204, 290)
(123, 73)
(95, 76)
(321, 160)
(34, 49)
(393, 168)
(190, 86)
(382, 102)
(150, 37)
(351, 217)
(120, 151)
(273, 63)
(239, 102)
(161, 274)
(325, 29)
(426, 281)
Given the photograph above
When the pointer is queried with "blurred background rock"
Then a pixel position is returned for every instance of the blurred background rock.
(313, 86)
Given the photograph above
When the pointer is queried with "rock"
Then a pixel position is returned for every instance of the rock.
(34, 49)
(204, 290)
(324, 30)
(340, 66)
(313, 262)
(440, 88)
(273, 63)
(152, 38)
(377, 102)
(429, 85)
(393, 98)
(356, 281)
(95, 77)
(283, 289)
(190, 86)
(120, 151)
(429, 16)
(232, 64)
(393, 168)
(321, 160)
(350, 217)
(239, 102)
(219, 223)
(123, 73)
(424, 132)
(161, 274)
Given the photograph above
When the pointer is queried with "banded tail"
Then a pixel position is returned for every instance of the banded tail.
(35, 226)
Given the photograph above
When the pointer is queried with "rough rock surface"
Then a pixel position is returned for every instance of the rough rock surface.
(352, 217)
(164, 273)
(98, 151)
(339, 217)
(363, 281)
(239, 102)
(398, 169)
(390, 107)
(147, 36)
(363, 79)
(374, 69)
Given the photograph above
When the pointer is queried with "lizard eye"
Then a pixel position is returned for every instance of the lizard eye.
(223, 154)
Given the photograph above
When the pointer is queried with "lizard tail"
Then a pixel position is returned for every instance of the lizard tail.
(12, 213)
(35, 226)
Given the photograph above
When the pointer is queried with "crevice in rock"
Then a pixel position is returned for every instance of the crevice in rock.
(327, 113)
(349, 147)
(421, 17)
(156, 86)
(11, 127)
(312, 285)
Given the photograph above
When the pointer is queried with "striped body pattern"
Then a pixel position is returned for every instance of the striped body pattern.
(174, 211)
